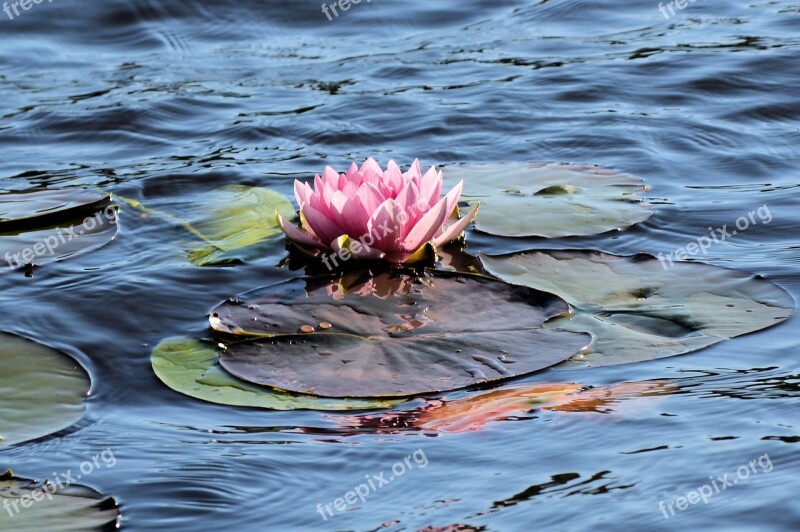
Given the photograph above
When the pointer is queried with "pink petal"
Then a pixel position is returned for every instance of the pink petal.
(407, 201)
(338, 203)
(318, 203)
(431, 187)
(453, 232)
(393, 177)
(324, 227)
(295, 234)
(328, 191)
(319, 184)
(453, 196)
(382, 225)
(372, 166)
(302, 193)
(331, 177)
(426, 227)
(348, 213)
(370, 199)
(415, 172)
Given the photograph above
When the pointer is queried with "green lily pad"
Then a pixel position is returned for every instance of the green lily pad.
(551, 200)
(28, 505)
(190, 367)
(42, 391)
(391, 334)
(226, 221)
(42, 208)
(638, 310)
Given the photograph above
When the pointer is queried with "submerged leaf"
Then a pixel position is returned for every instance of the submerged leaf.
(551, 200)
(235, 217)
(41, 390)
(636, 309)
(227, 220)
(391, 334)
(190, 367)
(29, 505)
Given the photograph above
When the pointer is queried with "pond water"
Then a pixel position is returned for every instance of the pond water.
(164, 101)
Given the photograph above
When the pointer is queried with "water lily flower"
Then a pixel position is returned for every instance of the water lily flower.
(371, 213)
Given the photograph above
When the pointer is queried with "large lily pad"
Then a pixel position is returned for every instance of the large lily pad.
(54, 507)
(551, 200)
(41, 390)
(42, 208)
(190, 367)
(637, 309)
(40, 227)
(226, 220)
(391, 335)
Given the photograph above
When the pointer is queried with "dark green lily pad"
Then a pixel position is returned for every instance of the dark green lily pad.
(391, 334)
(638, 310)
(551, 200)
(190, 367)
(41, 390)
(54, 507)
(226, 221)
(55, 244)
(42, 208)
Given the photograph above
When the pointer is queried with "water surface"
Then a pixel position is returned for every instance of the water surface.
(163, 101)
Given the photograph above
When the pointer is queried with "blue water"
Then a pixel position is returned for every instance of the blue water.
(162, 101)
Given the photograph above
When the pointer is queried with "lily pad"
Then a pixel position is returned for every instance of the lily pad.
(551, 200)
(636, 309)
(41, 390)
(46, 226)
(54, 244)
(392, 334)
(190, 367)
(28, 505)
(42, 208)
(226, 220)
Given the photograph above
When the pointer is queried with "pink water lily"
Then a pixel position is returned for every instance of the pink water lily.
(371, 213)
